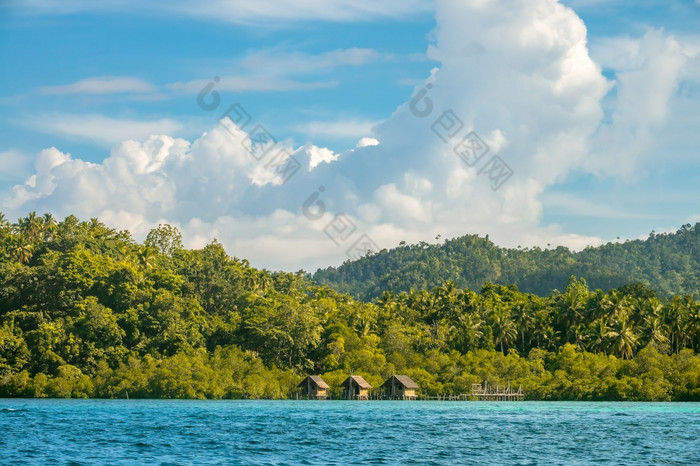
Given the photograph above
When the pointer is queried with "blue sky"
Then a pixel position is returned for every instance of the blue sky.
(593, 105)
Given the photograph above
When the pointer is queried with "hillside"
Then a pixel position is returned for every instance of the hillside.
(669, 263)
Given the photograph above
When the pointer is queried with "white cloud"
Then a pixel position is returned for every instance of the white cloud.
(516, 72)
(251, 84)
(101, 129)
(523, 81)
(269, 70)
(285, 62)
(240, 11)
(364, 142)
(568, 204)
(348, 129)
(319, 155)
(581, 4)
(104, 85)
(648, 71)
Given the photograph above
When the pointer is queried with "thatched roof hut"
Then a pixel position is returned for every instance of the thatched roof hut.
(399, 387)
(355, 387)
(314, 387)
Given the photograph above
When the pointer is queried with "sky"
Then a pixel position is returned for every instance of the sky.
(301, 134)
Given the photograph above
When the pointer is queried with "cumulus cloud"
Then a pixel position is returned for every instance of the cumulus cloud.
(515, 92)
(350, 128)
(364, 142)
(523, 81)
(648, 71)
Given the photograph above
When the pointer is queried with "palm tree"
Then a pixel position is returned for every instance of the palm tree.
(656, 330)
(50, 225)
(95, 223)
(146, 257)
(446, 295)
(579, 336)
(18, 249)
(550, 337)
(694, 327)
(623, 337)
(598, 305)
(675, 314)
(599, 336)
(571, 305)
(543, 333)
(30, 227)
(523, 317)
(467, 331)
(504, 329)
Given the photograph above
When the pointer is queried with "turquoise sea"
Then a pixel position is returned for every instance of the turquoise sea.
(346, 432)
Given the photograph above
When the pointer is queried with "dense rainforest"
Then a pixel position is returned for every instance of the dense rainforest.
(669, 263)
(86, 311)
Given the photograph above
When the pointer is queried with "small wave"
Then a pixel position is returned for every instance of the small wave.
(13, 410)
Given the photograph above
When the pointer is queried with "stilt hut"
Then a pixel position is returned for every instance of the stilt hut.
(355, 387)
(314, 388)
(399, 387)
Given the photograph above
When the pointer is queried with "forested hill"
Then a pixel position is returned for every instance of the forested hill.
(669, 263)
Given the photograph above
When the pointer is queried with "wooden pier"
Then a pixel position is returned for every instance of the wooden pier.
(489, 393)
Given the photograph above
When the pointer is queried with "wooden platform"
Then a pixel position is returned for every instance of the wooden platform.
(489, 393)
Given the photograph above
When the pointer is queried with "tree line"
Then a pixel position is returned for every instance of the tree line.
(669, 263)
(87, 311)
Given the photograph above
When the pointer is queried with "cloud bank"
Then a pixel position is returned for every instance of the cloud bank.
(516, 92)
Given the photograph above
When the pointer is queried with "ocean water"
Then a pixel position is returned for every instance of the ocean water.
(346, 432)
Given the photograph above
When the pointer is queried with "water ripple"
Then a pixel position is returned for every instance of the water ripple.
(342, 432)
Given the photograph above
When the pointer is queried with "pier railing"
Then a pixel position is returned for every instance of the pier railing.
(490, 393)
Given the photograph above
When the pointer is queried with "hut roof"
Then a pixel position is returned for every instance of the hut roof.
(320, 383)
(404, 380)
(359, 380)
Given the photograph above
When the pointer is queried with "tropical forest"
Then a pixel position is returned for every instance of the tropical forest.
(88, 311)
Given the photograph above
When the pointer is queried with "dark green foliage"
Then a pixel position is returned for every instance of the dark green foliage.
(670, 263)
(85, 311)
